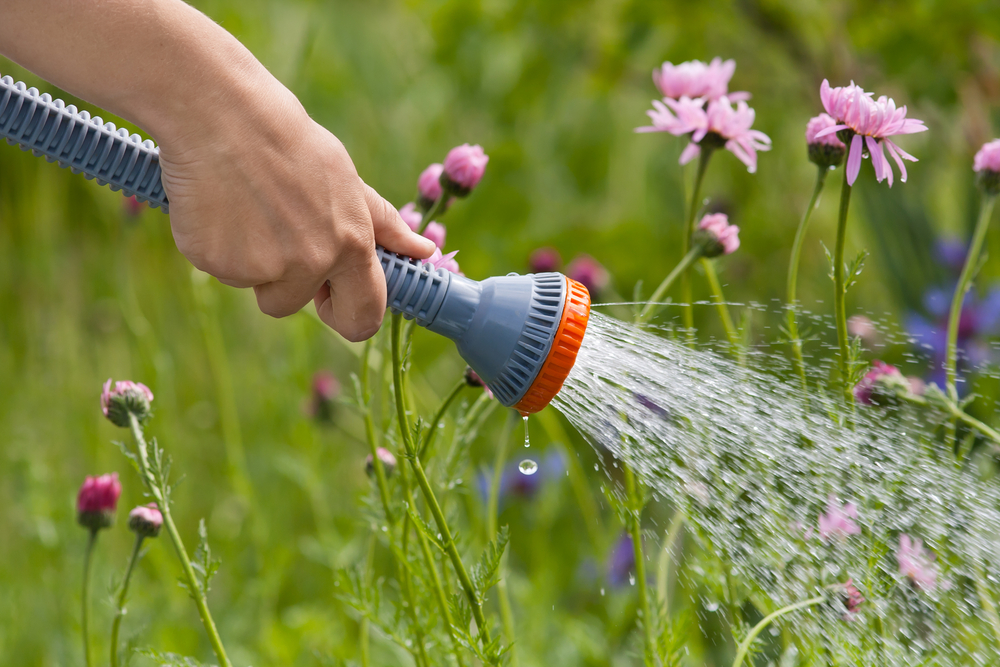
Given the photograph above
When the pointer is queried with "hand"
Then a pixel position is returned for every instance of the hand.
(264, 197)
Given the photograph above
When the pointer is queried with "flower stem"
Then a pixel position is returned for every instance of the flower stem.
(654, 301)
(492, 518)
(741, 651)
(436, 208)
(663, 569)
(686, 311)
(191, 579)
(960, 415)
(445, 404)
(964, 283)
(120, 601)
(720, 301)
(635, 531)
(85, 596)
(840, 292)
(793, 275)
(371, 434)
(428, 492)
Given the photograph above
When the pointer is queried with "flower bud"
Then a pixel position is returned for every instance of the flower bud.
(411, 216)
(851, 598)
(716, 236)
(544, 260)
(133, 207)
(325, 390)
(123, 398)
(463, 169)
(473, 380)
(882, 385)
(97, 500)
(827, 151)
(387, 459)
(145, 520)
(590, 273)
(436, 232)
(429, 185)
(987, 167)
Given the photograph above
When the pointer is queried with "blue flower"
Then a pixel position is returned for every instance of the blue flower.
(516, 484)
(621, 562)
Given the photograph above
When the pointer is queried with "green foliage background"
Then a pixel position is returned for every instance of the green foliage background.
(552, 90)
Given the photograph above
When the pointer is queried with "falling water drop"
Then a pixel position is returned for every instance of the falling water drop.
(631, 579)
(527, 441)
(528, 467)
(602, 591)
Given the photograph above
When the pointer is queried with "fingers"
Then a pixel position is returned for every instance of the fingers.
(392, 232)
(352, 303)
(282, 298)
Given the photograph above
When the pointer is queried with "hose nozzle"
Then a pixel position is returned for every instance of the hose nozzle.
(521, 334)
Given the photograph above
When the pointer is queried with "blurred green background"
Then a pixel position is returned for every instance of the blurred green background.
(552, 90)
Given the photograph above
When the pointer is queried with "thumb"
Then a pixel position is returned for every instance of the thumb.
(390, 230)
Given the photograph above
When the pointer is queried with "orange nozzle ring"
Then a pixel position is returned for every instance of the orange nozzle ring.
(562, 355)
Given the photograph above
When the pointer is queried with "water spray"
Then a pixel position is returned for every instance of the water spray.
(521, 334)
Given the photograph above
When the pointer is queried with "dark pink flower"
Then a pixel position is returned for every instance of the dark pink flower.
(916, 564)
(851, 598)
(133, 207)
(145, 520)
(871, 122)
(123, 398)
(387, 459)
(696, 79)
(436, 232)
(464, 168)
(838, 521)
(429, 183)
(411, 216)
(544, 260)
(97, 500)
(447, 262)
(325, 390)
(588, 271)
(719, 237)
(865, 390)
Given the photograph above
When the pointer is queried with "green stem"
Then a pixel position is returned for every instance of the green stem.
(85, 612)
(984, 599)
(663, 569)
(687, 312)
(654, 301)
(190, 577)
(840, 292)
(635, 530)
(435, 208)
(507, 617)
(420, 656)
(720, 302)
(445, 404)
(959, 414)
(792, 298)
(365, 631)
(492, 519)
(372, 435)
(120, 601)
(744, 646)
(428, 492)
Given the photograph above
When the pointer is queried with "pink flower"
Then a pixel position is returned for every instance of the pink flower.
(862, 327)
(872, 122)
(473, 380)
(865, 390)
(852, 599)
(818, 123)
(720, 237)
(411, 216)
(464, 168)
(325, 390)
(386, 457)
(125, 397)
(680, 116)
(446, 262)
(696, 79)
(429, 183)
(915, 563)
(97, 500)
(435, 231)
(838, 521)
(988, 157)
(588, 271)
(121, 388)
(133, 207)
(544, 260)
(145, 520)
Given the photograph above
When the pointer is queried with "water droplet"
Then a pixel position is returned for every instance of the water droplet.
(602, 591)
(712, 606)
(631, 579)
(527, 440)
(528, 467)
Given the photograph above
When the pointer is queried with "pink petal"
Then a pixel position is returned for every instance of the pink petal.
(876, 152)
(830, 130)
(854, 159)
(893, 148)
(691, 151)
(747, 157)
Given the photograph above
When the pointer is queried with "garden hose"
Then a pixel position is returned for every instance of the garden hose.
(521, 334)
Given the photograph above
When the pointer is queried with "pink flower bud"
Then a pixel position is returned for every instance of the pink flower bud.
(826, 150)
(124, 398)
(881, 385)
(387, 459)
(589, 272)
(544, 260)
(717, 236)
(435, 231)
(97, 500)
(851, 598)
(133, 207)
(429, 183)
(145, 520)
(446, 262)
(325, 389)
(473, 380)
(411, 216)
(464, 168)
(987, 166)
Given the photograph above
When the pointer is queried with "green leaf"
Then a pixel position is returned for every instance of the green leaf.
(204, 565)
(169, 659)
(486, 572)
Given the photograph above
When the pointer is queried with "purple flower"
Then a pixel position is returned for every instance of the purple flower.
(145, 520)
(464, 168)
(515, 484)
(436, 232)
(544, 260)
(915, 563)
(951, 251)
(97, 501)
(651, 405)
(621, 562)
(588, 271)
(838, 522)
(411, 216)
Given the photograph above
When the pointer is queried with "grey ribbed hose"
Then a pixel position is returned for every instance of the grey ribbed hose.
(71, 138)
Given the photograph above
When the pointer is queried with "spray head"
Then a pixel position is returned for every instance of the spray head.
(521, 334)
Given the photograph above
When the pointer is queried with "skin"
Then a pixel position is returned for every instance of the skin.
(260, 195)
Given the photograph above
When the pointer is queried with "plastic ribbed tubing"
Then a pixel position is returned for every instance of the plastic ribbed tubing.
(414, 288)
(71, 138)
